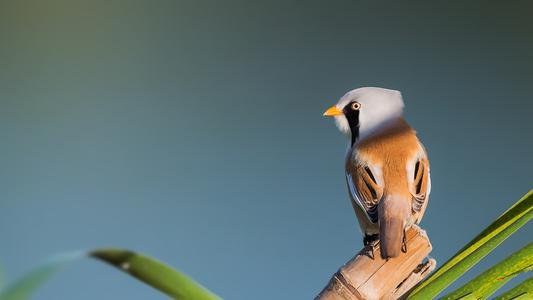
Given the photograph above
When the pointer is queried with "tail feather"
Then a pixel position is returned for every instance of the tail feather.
(393, 213)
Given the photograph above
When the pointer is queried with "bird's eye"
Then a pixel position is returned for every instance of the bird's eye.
(356, 106)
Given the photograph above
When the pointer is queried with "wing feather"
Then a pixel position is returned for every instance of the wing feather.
(420, 186)
(366, 188)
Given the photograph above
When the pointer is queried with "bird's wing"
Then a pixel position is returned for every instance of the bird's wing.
(366, 188)
(420, 186)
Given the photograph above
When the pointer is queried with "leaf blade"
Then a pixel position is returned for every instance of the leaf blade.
(25, 286)
(505, 225)
(146, 269)
(488, 282)
(523, 290)
(154, 273)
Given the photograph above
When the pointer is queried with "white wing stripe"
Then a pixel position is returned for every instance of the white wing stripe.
(353, 192)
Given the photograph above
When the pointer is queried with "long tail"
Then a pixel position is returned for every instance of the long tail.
(393, 212)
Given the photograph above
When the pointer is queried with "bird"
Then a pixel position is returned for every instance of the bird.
(387, 166)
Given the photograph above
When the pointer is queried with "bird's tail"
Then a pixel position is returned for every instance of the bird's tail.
(393, 212)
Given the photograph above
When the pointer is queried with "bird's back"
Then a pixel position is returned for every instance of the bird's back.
(391, 151)
(390, 157)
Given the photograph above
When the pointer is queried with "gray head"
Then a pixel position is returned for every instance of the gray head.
(363, 111)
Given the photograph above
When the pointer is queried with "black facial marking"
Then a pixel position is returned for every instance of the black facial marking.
(352, 115)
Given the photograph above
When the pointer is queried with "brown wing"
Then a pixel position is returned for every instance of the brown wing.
(420, 186)
(366, 188)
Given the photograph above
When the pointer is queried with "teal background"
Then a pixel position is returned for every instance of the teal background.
(193, 131)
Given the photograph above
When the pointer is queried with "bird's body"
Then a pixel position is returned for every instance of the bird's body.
(391, 157)
(387, 169)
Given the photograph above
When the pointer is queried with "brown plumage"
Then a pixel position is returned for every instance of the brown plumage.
(387, 170)
(380, 167)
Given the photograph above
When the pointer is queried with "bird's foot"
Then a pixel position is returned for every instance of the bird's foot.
(370, 240)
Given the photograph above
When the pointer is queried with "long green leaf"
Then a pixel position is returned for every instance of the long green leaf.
(25, 286)
(510, 221)
(144, 268)
(155, 273)
(486, 283)
(522, 291)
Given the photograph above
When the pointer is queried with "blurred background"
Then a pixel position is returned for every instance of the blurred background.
(193, 131)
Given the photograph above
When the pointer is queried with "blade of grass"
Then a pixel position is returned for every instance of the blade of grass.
(155, 274)
(523, 290)
(25, 286)
(510, 221)
(144, 268)
(488, 282)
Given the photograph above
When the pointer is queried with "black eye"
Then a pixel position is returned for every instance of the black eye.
(356, 106)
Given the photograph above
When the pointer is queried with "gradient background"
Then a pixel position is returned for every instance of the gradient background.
(193, 131)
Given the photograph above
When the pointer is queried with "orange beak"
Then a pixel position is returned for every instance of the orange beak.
(333, 111)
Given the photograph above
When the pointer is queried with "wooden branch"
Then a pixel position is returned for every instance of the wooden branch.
(368, 276)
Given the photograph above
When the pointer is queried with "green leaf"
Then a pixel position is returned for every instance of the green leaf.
(144, 268)
(25, 286)
(495, 277)
(522, 291)
(155, 273)
(510, 221)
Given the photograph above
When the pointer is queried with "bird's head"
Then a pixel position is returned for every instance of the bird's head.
(364, 111)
